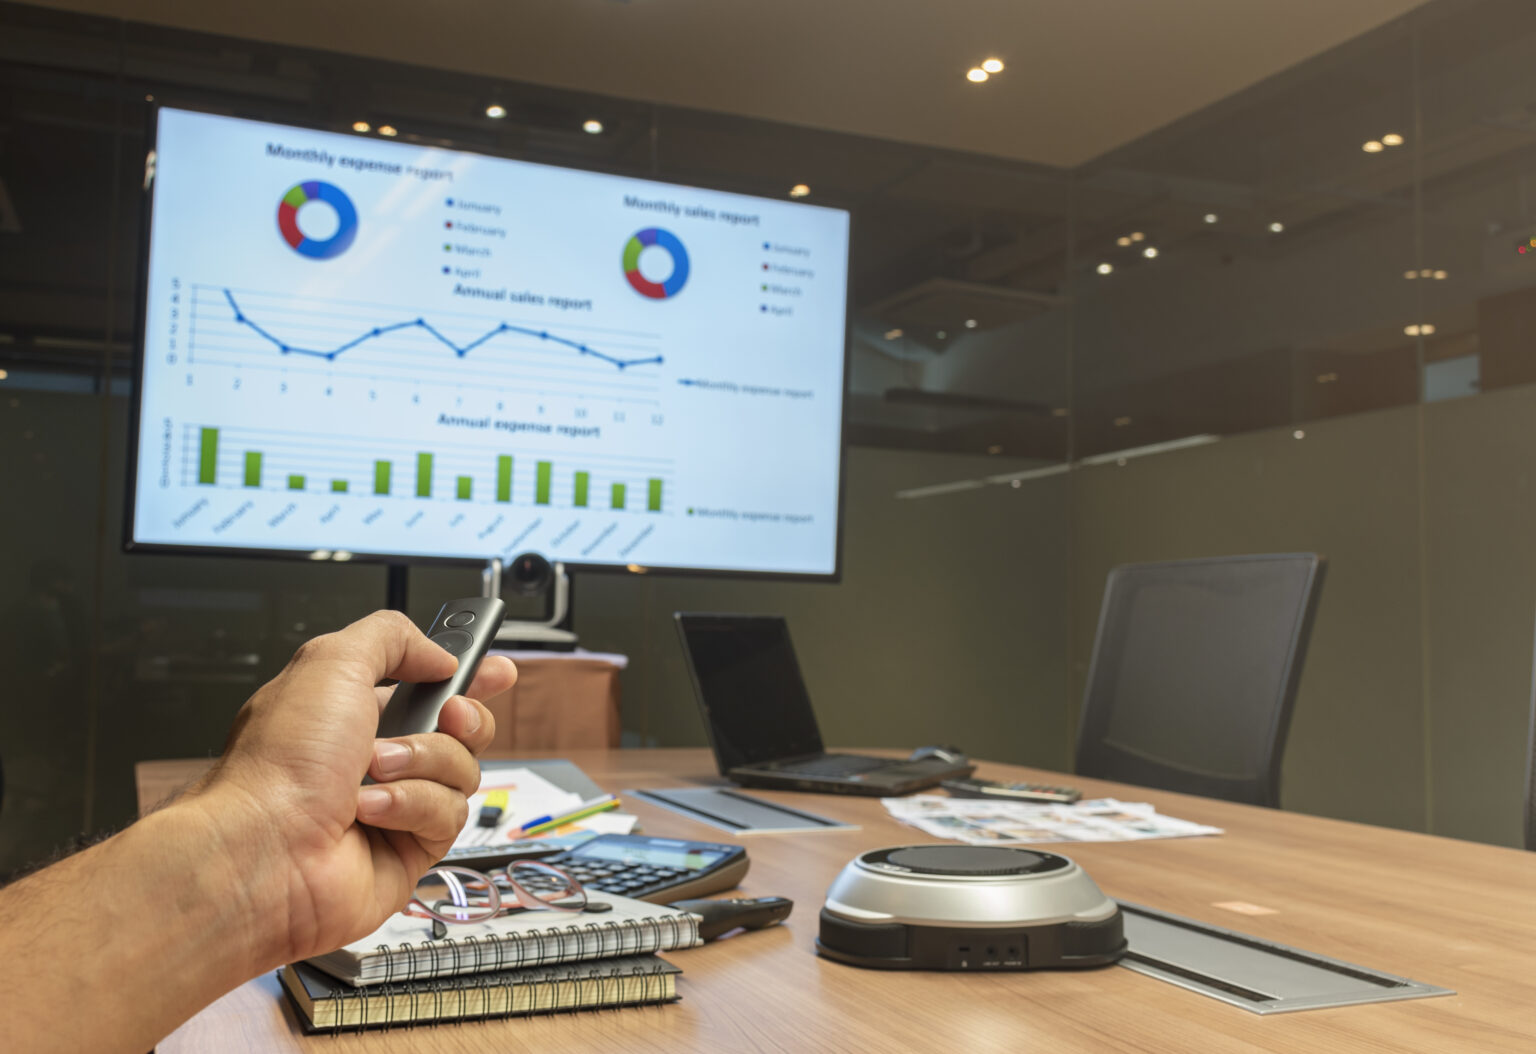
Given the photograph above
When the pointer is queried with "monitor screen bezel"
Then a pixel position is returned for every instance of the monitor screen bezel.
(135, 424)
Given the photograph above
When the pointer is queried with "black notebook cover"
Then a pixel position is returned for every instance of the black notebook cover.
(325, 1004)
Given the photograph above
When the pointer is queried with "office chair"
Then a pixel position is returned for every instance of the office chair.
(1194, 673)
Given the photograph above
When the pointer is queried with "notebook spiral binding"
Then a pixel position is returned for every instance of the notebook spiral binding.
(449, 1000)
(578, 941)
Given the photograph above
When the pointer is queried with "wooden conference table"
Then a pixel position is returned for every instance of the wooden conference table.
(1455, 914)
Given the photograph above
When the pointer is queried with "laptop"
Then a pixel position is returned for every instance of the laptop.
(760, 721)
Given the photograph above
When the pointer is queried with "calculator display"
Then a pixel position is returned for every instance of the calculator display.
(654, 855)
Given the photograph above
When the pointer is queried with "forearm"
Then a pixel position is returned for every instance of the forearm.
(163, 896)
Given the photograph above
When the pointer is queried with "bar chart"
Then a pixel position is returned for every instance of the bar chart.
(257, 459)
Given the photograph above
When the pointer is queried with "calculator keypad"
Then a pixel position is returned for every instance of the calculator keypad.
(613, 876)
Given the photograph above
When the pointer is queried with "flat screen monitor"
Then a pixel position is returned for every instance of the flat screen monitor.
(386, 349)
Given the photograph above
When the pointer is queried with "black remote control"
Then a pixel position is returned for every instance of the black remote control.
(464, 628)
(722, 916)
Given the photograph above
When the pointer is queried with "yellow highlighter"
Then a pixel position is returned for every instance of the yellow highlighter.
(491, 810)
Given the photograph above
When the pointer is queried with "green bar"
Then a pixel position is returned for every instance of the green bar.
(423, 475)
(338, 486)
(295, 482)
(541, 487)
(504, 478)
(582, 479)
(208, 456)
(618, 495)
(253, 468)
(381, 470)
(466, 486)
(653, 502)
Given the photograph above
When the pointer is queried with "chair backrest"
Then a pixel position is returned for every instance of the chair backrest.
(1194, 673)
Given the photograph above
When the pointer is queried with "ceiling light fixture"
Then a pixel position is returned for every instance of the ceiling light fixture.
(1276, 227)
(388, 130)
(1121, 422)
(495, 110)
(592, 127)
(1123, 241)
(892, 334)
(361, 126)
(1426, 272)
(799, 190)
(1150, 252)
(976, 75)
(1298, 434)
(1327, 378)
(970, 323)
(1372, 146)
(943, 335)
(1410, 275)
(992, 66)
(1441, 276)
(1211, 217)
(1106, 267)
(1426, 329)
(1392, 139)
(4, 374)
(1137, 236)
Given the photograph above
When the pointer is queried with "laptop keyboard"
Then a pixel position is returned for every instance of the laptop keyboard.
(834, 765)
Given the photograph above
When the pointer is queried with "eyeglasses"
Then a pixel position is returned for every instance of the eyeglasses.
(452, 894)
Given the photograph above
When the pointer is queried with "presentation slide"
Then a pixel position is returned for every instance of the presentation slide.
(362, 346)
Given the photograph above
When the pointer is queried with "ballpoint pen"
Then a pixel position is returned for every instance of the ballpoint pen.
(586, 808)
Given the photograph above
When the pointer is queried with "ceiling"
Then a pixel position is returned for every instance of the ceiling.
(1081, 77)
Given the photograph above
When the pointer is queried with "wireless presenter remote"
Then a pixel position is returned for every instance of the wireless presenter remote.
(466, 629)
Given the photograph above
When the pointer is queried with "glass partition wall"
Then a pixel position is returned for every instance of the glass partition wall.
(1294, 320)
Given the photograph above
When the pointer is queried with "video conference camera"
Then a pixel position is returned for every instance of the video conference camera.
(531, 575)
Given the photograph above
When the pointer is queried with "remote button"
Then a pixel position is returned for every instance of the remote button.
(453, 641)
(459, 618)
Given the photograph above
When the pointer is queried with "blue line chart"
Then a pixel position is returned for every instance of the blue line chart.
(460, 350)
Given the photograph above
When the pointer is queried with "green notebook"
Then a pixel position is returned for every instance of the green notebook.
(326, 1004)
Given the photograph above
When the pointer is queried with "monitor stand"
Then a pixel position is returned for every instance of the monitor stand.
(396, 586)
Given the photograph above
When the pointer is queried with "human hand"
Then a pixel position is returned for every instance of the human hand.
(323, 859)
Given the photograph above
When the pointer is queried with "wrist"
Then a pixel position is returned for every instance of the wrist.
(230, 846)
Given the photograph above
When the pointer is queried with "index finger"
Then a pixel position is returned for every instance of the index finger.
(384, 644)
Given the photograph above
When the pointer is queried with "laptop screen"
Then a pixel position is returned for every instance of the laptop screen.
(748, 683)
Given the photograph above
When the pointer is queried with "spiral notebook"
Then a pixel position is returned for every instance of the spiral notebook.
(403, 949)
(326, 1004)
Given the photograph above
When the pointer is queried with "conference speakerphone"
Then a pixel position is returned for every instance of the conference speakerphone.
(961, 907)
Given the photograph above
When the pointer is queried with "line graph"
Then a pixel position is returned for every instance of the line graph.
(460, 350)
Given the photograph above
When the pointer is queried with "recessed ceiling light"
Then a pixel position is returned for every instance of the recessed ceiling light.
(1410, 275)
(1441, 276)
(1150, 252)
(1327, 378)
(1106, 268)
(1276, 227)
(1121, 422)
(1428, 329)
(1137, 236)
(799, 190)
(1016, 483)
(943, 335)
(892, 334)
(1211, 217)
(361, 126)
(1299, 434)
(4, 374)
(1425, 272)
(389, 130)
(992, 66)
(1123, 241)
(970, 323)
(1060, 411)
(592, 127)
(1392, 139)
(495, 110)
(1372, 146)
(976, 75)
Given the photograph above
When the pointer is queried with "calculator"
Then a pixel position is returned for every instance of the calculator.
(659, 870)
